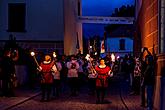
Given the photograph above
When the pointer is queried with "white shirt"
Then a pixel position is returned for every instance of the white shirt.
(72, 72)
(56, 70)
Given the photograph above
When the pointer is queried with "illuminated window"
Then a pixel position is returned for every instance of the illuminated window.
(16, 17)
(122, 44)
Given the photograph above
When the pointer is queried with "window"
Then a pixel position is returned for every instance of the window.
(122, 44)
(16, 17)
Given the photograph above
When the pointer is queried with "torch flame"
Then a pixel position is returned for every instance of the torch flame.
(113, 57)
(32, 53)
(54, 54)
(87, 57)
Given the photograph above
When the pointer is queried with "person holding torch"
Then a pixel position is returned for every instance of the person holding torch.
(91, 74)
(56, 75)
(46, 68)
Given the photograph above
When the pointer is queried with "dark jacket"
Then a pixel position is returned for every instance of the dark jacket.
(149, 75)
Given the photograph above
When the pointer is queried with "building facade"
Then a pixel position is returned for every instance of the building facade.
(120, 46)
(42, 24)
(150, 33)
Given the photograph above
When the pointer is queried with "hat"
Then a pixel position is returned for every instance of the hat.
(47, 58)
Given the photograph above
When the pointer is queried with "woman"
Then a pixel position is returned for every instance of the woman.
(103, 72)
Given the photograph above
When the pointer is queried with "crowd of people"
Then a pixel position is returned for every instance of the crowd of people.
(76, 70)
(140, 73)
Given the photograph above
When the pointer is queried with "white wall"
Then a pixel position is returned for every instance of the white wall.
(71, 27)
(114, 46)
(44, 20)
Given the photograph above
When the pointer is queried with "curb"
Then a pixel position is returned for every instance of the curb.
(22, 101)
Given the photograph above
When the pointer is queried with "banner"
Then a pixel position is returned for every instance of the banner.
(102, 49)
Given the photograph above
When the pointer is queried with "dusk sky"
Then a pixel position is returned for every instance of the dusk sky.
(100, 8)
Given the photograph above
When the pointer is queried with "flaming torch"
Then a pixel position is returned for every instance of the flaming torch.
(89, 59)
(33, 55)
(54, 54)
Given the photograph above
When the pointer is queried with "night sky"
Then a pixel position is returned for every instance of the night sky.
(99, 8)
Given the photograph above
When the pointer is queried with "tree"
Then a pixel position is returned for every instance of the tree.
(124, 11)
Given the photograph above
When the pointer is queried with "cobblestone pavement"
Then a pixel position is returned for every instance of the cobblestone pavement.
(22, 94)
(117, 95)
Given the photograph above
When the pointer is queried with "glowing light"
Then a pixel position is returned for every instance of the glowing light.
(32, 53)
(113, 57)
(54, 54)
(95, 53)
(142, 49)
(118, 57)
(87, 57)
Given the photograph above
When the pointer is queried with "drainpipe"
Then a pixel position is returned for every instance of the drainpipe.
(161, 56)
(161, 26)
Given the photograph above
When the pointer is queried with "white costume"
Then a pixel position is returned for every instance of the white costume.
(73, 67)
(57, 68)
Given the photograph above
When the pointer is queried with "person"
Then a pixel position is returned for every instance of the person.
(8, 74)
(46, 68)
(103, 71)
(149, 80)
(73, 66)
(142, 86)
(81, 73)
(136, 77)
(63, 73)
(130, 67)
(56, 80)
(91, 77)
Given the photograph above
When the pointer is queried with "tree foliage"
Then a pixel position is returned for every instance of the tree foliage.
(124, 11)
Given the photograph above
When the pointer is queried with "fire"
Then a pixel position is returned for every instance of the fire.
(32, 54)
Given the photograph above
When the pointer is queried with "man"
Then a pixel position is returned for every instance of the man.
(57, 80)
(149, 80)
(92, 77)
(73, 67)
(46, 68)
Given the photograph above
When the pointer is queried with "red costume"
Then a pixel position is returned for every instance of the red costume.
(47, 76)
(101, 80)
